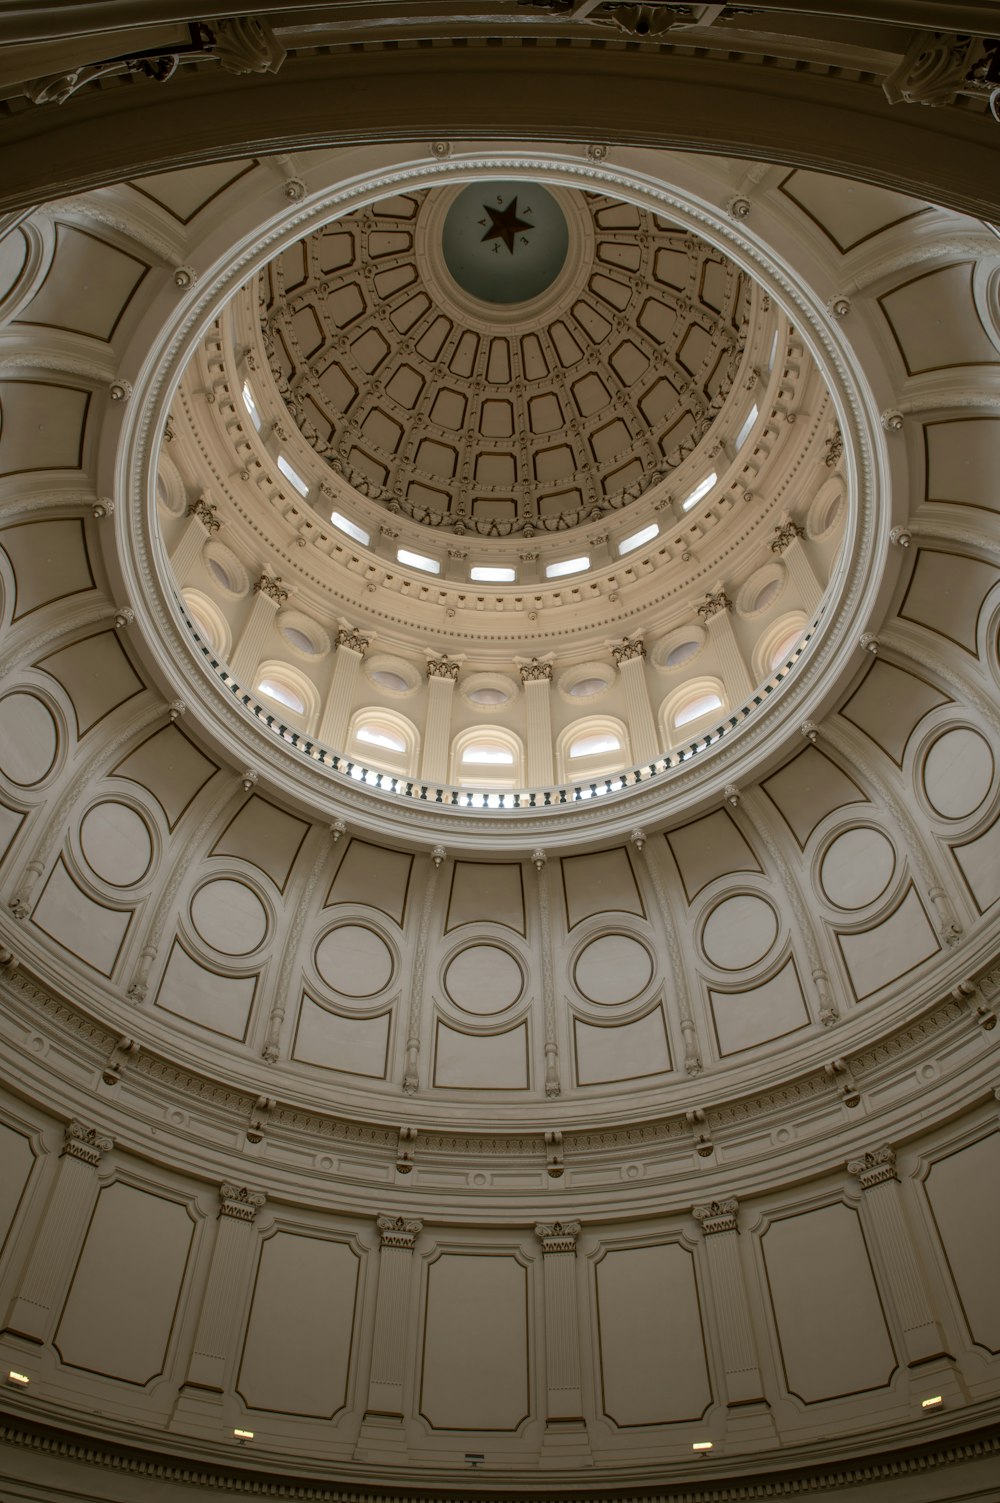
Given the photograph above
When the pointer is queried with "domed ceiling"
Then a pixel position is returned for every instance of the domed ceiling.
(502, 358)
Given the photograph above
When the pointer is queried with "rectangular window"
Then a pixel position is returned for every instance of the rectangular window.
(251, 405)
(566, 566)
(638, 538)
(481, 574)
(748, 423)
(418, 561)
(292, 476)
(344, 524)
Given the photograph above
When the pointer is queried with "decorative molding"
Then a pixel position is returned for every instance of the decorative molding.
(271, 587)
(85, 1143)
(206, 513)
(874, 1168)
(630, 649)
(715, 601)
(535, 672)
(784, 536)
(557, 1236)
(239, 1202)
(245, 44)
(718, 1216)
(399, 1231)
(442, 668)
(349, 636)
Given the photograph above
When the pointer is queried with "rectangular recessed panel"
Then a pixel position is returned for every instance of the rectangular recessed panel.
(171, 767)
(979, 860)
(358, 1046)
(832, 1331)
(755, 1015)
(374, 875)
(87, 930)
(807, 789)
(192, 991)
(119, 1315)
(300, 1334)
(18, 1161)
(607, 1054)
(481, 1062)
(49, 560)
(946, 594)
(87, 287)
(474, 1362)
(264, 835)
(599, 883)
(961, 455)
(889, 704)
(651, 1341)
(708, 848)
(967, 1216)
(890, 949)
(44, 425)
(486, 891)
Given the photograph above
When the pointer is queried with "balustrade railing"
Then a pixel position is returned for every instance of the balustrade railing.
(485, 800)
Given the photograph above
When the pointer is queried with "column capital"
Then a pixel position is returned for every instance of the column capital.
(442, 668)
(557, 1236)
(874, 1168)
(204, 510)
(271, 587)
(784, 536)
(717, 1216)
(239, 1202)
(399, 1231)
(349, 636)
(85, 1143)
(715, 602)
(628, 650)
(535, 672)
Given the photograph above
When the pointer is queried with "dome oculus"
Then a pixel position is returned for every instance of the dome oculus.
(504, 242)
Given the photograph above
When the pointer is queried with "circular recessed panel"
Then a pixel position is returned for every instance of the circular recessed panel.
(614, 968)
(504, 242)
(116, 844)
(229, 916)
(483, 979)
(857, 867)
(29, 740)
(739, 932)
(958, 773)
(354, 961)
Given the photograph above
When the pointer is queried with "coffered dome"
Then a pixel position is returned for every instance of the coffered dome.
(496, 386)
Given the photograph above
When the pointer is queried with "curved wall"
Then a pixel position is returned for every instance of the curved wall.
(397, 1152)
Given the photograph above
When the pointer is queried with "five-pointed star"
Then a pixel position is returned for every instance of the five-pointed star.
(505, 224)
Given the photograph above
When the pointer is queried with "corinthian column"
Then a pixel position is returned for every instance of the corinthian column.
(788, 543)
(267, 597)
(336, 716)
(537, 680)
(905, 1284)
(441, 678)
(43, 1284)
(715, 614)
(629, 658)
(215, 1341)
(565, 1426)
(382, 1428)
(736, 1337)
(202, 523)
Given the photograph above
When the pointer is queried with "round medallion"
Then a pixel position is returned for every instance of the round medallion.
(614, 968)
(354, 961)
(958, 773)
(504, 242)
(29, 740)
(116, 844)
(857, 867)
(483, 979)
(229, 916)
(739, 932)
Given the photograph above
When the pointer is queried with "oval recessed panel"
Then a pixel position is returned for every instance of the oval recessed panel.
(229, 916)
(958, 773)
(739, 932)
(857, 867)
(483, 979)
(354, 961)
(28, 739)
(116, 843)
(614, 968)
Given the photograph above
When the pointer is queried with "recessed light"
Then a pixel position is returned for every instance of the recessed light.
(243, 1434)
(936, 1402)
(21, 1379)
(702, 1445)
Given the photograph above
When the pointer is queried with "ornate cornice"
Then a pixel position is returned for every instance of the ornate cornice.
(399, 1231)
(715, 601)
(536, 672)
(85, 1144)
(239, 1202)
(206, 513)
(874, 1168)
(557, 1236)
(785, 535)
(349, 636)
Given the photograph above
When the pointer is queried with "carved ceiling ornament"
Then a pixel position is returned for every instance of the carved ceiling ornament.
(717, 1216)
(558, 1236)
(442, 668)
(399, 1231)
(272, 588)
(87, 1144)
(239, 1202)
(629, 650)
(874, 1168)
(714, 603)
(350, 637)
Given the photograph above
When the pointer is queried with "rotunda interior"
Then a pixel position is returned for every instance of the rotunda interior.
(499, 808)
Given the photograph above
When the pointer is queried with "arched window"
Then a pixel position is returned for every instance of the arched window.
(592, 748)
(287, 694)
(694, 709)
(209, 622)
(776, 645)
(487, 757)
(385, 740)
